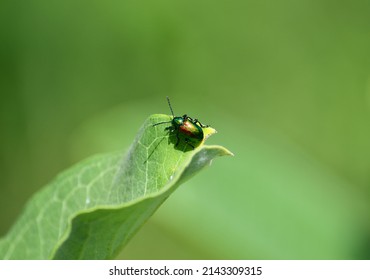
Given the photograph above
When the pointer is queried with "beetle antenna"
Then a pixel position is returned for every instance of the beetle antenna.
(169, 104)
(161, 123)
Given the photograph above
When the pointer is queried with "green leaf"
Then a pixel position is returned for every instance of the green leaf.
(93, 209)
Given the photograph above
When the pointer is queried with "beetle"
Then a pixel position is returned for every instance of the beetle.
(191, 130)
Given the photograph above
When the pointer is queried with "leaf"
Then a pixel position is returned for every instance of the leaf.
(93, 209)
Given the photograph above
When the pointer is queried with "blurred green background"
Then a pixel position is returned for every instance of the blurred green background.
(285, 83)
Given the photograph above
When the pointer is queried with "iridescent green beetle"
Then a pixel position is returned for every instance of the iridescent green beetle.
(191, 130)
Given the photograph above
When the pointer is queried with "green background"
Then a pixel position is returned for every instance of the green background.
(285, 83)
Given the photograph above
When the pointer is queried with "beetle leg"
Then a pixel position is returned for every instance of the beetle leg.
(178, 140)
(201, 125)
